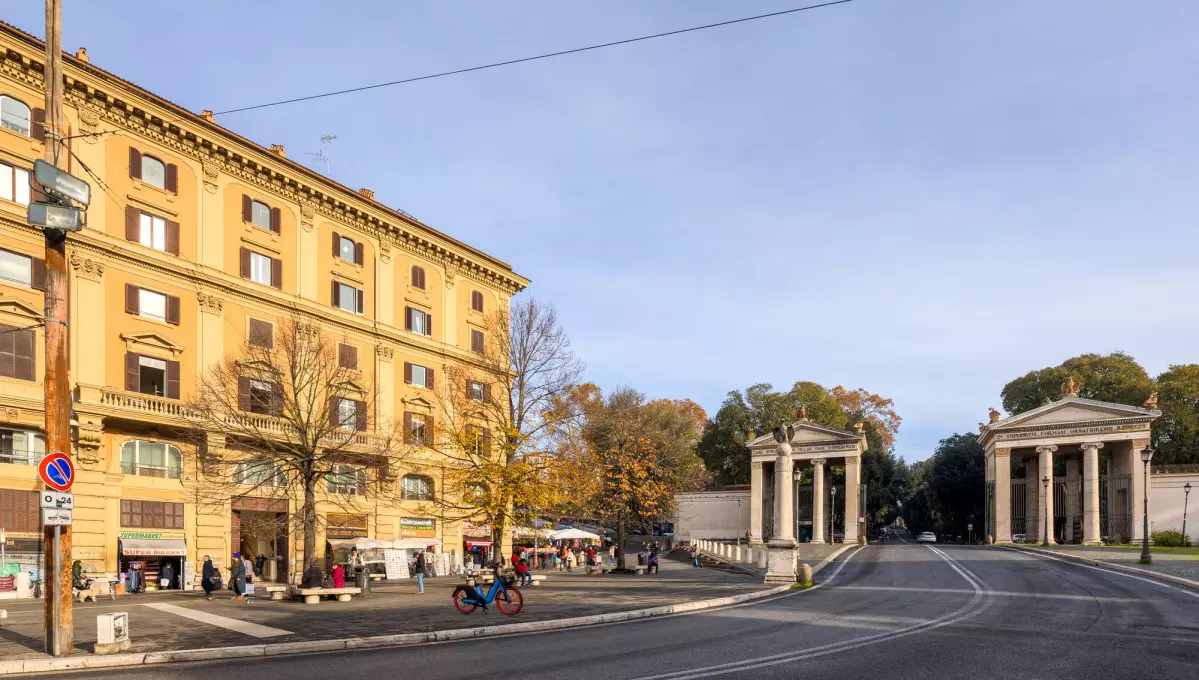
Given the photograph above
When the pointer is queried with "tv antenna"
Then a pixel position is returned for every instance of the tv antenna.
(323, 156)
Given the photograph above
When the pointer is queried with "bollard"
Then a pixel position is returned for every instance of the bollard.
(805, 574)
(749, 555)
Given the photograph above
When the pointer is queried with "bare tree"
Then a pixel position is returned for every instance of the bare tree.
(498, 416)
(289, 417)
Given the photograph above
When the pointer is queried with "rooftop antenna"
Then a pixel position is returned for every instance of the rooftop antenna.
(323, 156)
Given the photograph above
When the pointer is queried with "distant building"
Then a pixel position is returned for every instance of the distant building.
(718, 514)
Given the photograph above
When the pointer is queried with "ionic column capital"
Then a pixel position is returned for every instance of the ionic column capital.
(818, 462)
(1091, 445)
(1047, 449)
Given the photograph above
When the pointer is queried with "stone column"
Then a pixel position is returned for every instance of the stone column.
(755, 501)
(1072, 482)
(1045, 494)
(853, 492)
(1032, 515)
(1136, 488)
(780, 567)
(818, 500)
(1002, 474)
(1090, 493)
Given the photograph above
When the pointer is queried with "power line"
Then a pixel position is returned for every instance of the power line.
(510, 62)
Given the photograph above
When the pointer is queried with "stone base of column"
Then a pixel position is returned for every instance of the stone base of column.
(1092, 542)
(780, 561)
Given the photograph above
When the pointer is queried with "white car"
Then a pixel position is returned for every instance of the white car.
(927, 537)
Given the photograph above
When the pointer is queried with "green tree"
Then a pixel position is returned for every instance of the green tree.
(948, 488)
(1115, 377)
(1176, 433)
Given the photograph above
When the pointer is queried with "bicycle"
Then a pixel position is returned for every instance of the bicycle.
(506, 597)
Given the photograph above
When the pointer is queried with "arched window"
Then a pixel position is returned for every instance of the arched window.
(150, 459)
(418, 277)
(14, 115)
(416, 488)
(260, 215)
(476, 493)
(154, 172)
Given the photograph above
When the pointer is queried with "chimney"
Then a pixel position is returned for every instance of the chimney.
(367, 194)
(81, 55)
(277, 149)
(206, 114)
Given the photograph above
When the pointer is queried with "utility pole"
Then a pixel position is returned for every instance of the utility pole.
(60, 630)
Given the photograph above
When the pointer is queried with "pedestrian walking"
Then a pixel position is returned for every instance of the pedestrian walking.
(420, 572)
(239, 577)
(695, 557)
(612, 555)
(208, 578)
(570, 560)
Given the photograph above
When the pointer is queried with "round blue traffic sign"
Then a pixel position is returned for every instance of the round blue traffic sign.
(57, 471)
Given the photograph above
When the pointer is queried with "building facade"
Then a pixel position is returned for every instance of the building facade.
(198, 241)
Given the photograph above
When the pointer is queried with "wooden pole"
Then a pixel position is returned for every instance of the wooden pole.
(60, 632)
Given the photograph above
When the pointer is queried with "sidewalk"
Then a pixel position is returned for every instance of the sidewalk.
(1180, 565)
(188, 621)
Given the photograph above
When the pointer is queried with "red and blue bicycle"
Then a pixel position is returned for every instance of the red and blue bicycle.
(502, 592)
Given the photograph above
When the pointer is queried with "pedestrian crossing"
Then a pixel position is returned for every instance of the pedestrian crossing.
(251, 629)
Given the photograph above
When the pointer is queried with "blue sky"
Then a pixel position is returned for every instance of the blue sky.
(925, 198)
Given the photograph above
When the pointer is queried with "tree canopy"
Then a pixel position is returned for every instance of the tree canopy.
(1115, 377)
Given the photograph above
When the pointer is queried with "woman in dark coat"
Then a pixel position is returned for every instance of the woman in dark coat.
(239, 577)
(208, 577)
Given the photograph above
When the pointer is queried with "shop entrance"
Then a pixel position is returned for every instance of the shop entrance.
(259, 530)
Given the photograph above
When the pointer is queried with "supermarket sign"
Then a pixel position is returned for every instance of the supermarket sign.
(152, 535)
(417, 527)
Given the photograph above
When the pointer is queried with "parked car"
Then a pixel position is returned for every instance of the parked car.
(927, 537)
(1019, 538)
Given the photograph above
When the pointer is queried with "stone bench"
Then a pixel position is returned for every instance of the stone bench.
(314, 595)
(601, 569)
(640, 569)
(378, 577)
(275, 592)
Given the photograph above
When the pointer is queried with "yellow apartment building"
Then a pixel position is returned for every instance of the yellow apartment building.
(195, 238)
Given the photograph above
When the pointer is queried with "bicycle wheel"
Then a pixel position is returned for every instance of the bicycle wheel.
(461, 604)
(510, 601)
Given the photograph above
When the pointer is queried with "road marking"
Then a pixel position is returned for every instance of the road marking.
(971, 608)
(1185, 591)
(252, 629)
(963, 591)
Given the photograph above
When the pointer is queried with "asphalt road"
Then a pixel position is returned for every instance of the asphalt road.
(893, 611)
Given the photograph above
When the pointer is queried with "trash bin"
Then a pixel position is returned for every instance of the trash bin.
(363, 581)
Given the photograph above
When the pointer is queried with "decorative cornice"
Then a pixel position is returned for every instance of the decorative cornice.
(210, 304)
(385, 353)
(87, 268)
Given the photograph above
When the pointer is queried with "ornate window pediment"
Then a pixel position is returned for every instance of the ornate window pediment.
(153, 341)
(12, 307)
(418, 404)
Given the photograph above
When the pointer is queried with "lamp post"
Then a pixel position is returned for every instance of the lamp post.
(832, 509)
(1046, 480)
(1146, 558)
(1186, 496)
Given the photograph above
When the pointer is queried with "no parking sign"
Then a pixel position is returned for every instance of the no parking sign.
(57, 471)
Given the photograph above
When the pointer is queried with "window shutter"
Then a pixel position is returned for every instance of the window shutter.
(359, 254)
(172, 183)
(348, 356)
(135, 163)
(133, 372)
(245, 263)
(334, 293)
(247, 208)
(469, 382)
(243, 393)
(277, 273)
(336, 244)
(429, 435)
(24, 351)
(429, 325)
(360, 415)
(361, 301)
(429, 378)
(334, 412)
(172, 380)
(131, 301)
(407, 318)
(133, 224)
(172, 237)
(486, 440)
(276, 398)
(407, 373)
(487, 393)
(38, 274)
(276, 220)
(407, 427)
(37, 124)
(173, 310)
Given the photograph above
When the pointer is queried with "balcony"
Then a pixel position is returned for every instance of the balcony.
(17, 457)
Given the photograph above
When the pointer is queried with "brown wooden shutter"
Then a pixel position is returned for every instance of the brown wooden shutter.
(173, 310)
(335, 294)
(407, 318)
(469, 382)
(348, 356)
(336, 244)
(133, 372)
(407, 427)
(37, 274)
(276, 398)
(172, 231)
(133, 224)
(359, 253)
(247, 208)
(429, 378)
(132, 305)
(276, 220)
(172, 380)
(361, 301)
(334, 412)
(277, 273)
(486, 440)
(135, 163)
(24, 353)
(245, 263)
(243, 393)
(429, 325)
(37, 124)
(172, 183)
(429, 437)
(407, 373)
(261, 334)
(360, 415)
(487, 393)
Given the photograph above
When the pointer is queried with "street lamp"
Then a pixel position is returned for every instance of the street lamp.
(1046, 480)
(1146, 558)
(1186, 496)
(832, 509)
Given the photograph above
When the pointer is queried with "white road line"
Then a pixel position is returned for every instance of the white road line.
(1185, 591)
(969, 609)
(997, 593)
(252, 629)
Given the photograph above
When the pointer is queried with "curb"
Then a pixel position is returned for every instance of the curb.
(398, 640)
(828, 560)
(1177, 580)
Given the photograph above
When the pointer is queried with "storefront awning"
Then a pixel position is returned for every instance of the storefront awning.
(482, 543)
(144, 547)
